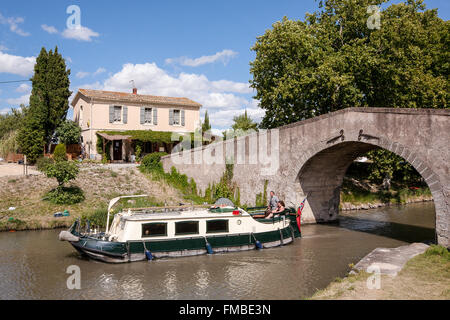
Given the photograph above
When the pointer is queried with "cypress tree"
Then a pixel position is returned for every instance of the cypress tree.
(206, 125)
(48, 103)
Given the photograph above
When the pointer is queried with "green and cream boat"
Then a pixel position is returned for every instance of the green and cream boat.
(145, 234)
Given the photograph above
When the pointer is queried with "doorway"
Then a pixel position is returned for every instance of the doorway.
(117, 150)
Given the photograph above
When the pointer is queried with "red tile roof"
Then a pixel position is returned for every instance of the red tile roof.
(138, 98)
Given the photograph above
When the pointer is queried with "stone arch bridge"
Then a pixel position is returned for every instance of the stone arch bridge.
(311, 157)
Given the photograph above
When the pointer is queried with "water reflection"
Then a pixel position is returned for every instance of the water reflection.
(33, 264)
(170, 282)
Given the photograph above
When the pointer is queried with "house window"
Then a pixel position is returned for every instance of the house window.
(148, 116)
(186, 227)
(81, 116)
(176, 117)
(216, 226)
(117, 113)
(154, 230)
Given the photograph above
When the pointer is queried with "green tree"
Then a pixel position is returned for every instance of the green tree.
(387, 166)
(63, 171)
(48, 103)
(206, 126)
(12, 120)
(8, 144)
(332, 60)
(244, 123)
(68, 132)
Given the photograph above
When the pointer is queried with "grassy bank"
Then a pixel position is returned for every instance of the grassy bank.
(360, 194)
(99, 185)
(426, 276)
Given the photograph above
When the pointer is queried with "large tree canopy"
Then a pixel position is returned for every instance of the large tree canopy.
(332, 60)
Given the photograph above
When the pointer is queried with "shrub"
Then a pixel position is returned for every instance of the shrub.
(60, 153)
(138, 151)
(65, 195)
(63, 171)
(97, 217)
(152, 162)
(42, 163)
(438, 250)
(104, 158)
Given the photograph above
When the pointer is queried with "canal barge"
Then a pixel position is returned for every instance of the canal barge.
(145, 234)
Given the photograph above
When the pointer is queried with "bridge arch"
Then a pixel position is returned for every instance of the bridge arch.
(320, 172)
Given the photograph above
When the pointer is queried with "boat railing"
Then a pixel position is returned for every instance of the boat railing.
(169, 208)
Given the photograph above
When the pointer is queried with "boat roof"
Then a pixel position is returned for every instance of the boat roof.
(179, 214)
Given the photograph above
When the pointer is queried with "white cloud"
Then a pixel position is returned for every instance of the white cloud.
(49, 29)
(25, 99)
(231, 86)
(69, 59)
(223, 56)
(24, 87)
(3, 48)
(223, 99)
(99, 71)
(82, 74)
(81, 34)
(13, 24)
(22, 66)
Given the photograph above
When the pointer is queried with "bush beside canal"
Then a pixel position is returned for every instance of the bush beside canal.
(362, 194)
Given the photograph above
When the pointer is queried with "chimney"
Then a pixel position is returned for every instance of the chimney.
(134, 90)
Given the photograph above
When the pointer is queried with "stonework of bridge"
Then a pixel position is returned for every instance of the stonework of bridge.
(314, 155)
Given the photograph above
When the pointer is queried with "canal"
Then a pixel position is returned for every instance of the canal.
(33, 264)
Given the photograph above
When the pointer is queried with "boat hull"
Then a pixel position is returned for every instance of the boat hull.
(121, 252)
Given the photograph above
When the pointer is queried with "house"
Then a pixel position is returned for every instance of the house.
(122, 126)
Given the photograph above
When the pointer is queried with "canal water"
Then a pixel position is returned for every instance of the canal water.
(33, 264)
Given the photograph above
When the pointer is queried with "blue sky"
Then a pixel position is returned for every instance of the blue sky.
(197, 49)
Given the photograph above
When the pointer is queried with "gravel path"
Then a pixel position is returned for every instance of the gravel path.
(14, 169)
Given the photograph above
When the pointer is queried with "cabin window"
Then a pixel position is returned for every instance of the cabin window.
(186, 227)
(154, 230)
(216, 226)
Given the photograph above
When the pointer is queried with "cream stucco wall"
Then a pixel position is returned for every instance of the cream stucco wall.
(93, 116)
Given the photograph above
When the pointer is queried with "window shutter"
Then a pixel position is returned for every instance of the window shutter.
(170, 116)
(125, 114)
(111, 114)
(142, 115)
(155, 116)
(182, 118)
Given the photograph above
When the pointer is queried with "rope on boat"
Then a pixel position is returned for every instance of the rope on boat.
(147, 253)
(88, 226)
(128, 251)
(258, 244)
(208, 247)
(281, 237)
(292, 232)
